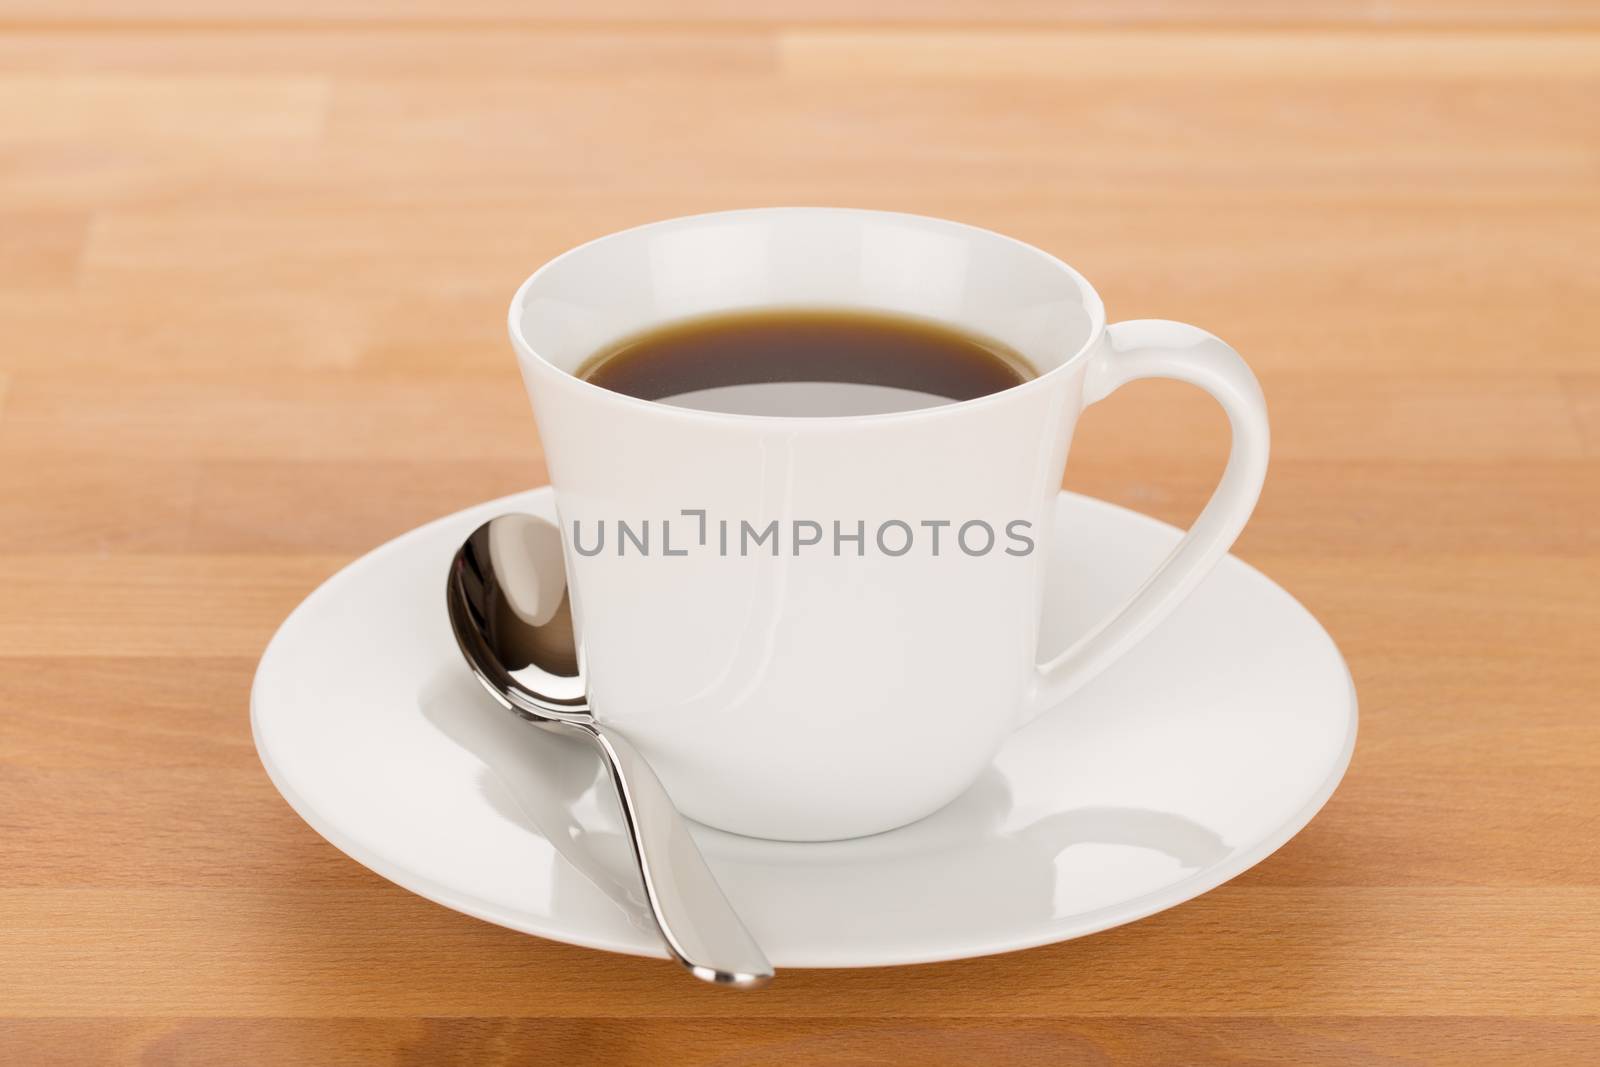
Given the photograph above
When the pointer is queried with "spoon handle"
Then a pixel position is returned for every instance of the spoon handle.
(700, 926)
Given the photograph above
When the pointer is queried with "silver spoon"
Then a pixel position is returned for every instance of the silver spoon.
(510, 614)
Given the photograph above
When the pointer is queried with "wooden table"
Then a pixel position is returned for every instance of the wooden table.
(254, 260)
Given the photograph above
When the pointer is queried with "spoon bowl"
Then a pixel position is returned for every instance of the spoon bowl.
(509, 611)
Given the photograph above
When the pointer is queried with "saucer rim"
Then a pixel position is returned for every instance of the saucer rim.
(1079, 925)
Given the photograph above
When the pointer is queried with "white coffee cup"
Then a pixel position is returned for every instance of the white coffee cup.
(831, 690)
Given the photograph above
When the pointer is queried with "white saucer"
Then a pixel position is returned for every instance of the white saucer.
(1190, 760)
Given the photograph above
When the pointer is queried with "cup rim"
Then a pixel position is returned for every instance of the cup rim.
(1087, 293)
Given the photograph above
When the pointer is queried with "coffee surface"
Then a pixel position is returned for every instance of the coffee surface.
(806, 362)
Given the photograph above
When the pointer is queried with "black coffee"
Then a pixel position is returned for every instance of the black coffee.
(806, 362)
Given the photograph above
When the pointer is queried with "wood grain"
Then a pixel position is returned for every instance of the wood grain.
(392, 954)
(254, 260)
(1490, 13)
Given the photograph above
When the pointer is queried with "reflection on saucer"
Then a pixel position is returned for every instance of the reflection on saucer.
(974, 852)
(553, 786)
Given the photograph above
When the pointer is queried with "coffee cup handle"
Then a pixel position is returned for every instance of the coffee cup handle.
(1154, 348)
